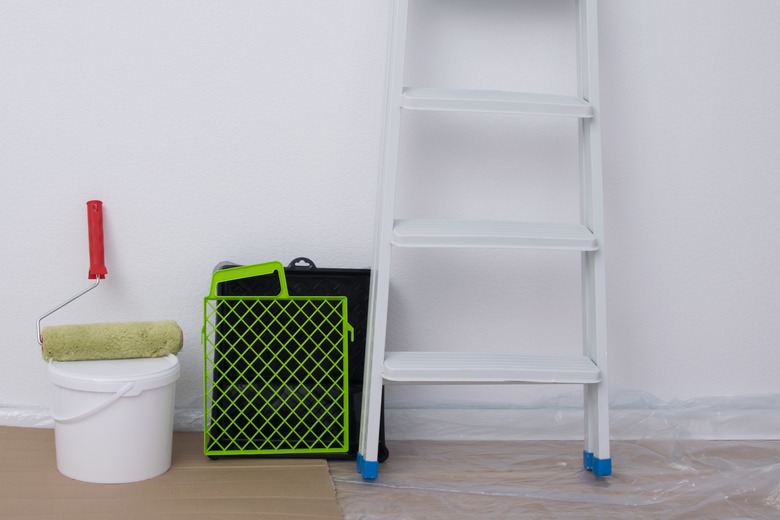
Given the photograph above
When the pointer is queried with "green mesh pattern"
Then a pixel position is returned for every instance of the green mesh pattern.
(275, 375)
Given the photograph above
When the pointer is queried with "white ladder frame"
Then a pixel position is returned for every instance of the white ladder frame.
(587, 236)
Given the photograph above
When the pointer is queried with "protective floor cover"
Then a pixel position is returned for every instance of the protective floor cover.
(194, 488)
(652, 479)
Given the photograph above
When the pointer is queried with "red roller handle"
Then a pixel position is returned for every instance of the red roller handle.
(97, 266)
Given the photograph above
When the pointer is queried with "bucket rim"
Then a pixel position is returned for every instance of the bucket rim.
(96, 375)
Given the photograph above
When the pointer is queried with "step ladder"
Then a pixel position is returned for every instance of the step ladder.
(586, 236)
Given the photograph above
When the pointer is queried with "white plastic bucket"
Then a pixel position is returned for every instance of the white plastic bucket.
(113, 419)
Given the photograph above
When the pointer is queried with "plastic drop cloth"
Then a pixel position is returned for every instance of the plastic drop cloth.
(708, 458)
(651, 479)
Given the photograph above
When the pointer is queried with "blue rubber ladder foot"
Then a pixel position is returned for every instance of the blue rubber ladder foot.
(368, 468)
(359, 459)
(602, 468)
(599, 467)
(587, 460)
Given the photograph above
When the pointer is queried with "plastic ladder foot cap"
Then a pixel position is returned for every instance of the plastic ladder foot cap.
(370, 469)
(587, 460)
(359, 459)
(602, 468)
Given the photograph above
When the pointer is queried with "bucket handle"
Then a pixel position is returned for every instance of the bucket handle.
(105, 404)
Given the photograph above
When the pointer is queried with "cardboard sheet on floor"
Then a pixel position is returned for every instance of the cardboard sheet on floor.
(194, 488)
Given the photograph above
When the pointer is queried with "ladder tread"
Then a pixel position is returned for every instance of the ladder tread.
(493, 234)
(462, 100)
(486, 368)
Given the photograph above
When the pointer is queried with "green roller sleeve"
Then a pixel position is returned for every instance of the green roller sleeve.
(140, 339)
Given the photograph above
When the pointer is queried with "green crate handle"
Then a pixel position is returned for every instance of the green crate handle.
(249, 271)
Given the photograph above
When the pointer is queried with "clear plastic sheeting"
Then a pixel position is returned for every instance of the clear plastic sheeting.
(26, 416)
(652, 479)
(713, 458)
(633, 416)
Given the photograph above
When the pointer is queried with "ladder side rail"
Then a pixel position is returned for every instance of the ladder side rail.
(383, 230)
(597, 455)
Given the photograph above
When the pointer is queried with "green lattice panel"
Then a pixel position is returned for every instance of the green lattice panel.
(275, 375)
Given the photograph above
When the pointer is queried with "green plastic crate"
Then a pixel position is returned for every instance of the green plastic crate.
(275, 370)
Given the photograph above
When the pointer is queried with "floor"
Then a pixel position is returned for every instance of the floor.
(652, 479)
(194, 488)
(544, 479)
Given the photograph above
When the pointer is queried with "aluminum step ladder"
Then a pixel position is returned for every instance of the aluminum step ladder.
(586, 236)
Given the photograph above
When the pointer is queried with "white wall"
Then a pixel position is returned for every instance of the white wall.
(250, 131)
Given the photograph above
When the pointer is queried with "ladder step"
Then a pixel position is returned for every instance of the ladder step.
(492, 234)
(481, 368)
(495, 101)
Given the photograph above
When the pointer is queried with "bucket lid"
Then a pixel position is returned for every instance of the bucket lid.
(108, 375)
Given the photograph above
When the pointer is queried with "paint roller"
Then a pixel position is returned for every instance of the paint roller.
(138, 339)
